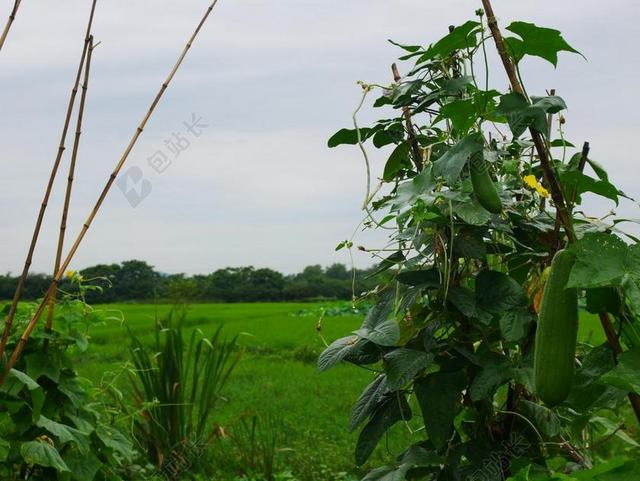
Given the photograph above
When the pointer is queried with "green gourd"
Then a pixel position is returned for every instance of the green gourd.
(557, 332)
(483, 186)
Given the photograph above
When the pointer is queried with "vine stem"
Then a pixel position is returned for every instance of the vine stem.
(12, 17)
(538, 141)
(67, 197)
(43, 206)
(614, 342)
(15, 355)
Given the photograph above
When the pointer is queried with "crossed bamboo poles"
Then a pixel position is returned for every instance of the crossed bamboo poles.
(64, 264)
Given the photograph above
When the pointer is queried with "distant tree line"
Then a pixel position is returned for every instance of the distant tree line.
(138, 281)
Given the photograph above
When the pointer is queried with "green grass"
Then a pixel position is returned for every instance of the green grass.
(277, 375)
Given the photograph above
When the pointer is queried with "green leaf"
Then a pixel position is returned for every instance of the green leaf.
(387, 473)
(627, 472)
(461, 37)
(336, 352)
(420, 277)
(401, 365)
(383, 334)
(439, 396)
(514, 324)
(626, 375)
(450, 164)
(462, 114)
(64, 433)
(521, 114)
(368, 401)
(394, 409)
(83, 466)
(472, 212)
(42, 453)
(601, 261)
(497, 292)
(544, 418)
(43, 364)
(574, 180)
(114, 439)
(541, 42)
(398, 160)
(350, 136)
(495, 372)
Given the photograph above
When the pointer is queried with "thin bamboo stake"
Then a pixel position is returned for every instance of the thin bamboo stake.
(67, 197)
(12, 17)
(43, 207)
(65, 264)
(406, 112)
(538, 141)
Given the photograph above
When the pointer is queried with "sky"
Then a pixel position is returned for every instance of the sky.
(233, 167)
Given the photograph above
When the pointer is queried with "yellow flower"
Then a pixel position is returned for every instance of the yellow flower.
(70, 274)
(531, 182)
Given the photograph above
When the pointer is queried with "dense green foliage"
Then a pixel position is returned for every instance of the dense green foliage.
(451, 336)
(137, 281)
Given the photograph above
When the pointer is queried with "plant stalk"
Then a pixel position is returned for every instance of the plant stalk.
(7, 27)
(538, 141)
(15, 355)
(67, 197)
(43, 207)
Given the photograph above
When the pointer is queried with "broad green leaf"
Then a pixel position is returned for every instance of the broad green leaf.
(540, 42)
(472, 212)
(629, 471)
(114, 439)
(401, 365)
(83, 466)
(575, 181)
(420, 277)
(336, 352)
(514, 324)
(387, 473)
(495, 372)
(626, 375)
(461, 37)
(394, 409)
(64, 433)
(601, 261)
(462, 114)
(350, 136)
(398, 160)
(450, 164)
(384, 334)
(41, 453)
(522, 115)
(368, 401)
(439, 397)
(544, 418)
(43, 364)
(497, 292)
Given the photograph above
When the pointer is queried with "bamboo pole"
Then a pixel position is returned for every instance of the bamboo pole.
(65, 264)
(12, 17)
(538, 141)
(556, 193)
(43, 207)
(67, 197)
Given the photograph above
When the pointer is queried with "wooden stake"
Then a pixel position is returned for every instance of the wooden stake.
(538, 141)
(67, 197)
(15, 355)
(12, 17)
(406, 112)
(43, 207)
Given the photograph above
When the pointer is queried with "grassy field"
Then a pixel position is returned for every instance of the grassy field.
(276, 378)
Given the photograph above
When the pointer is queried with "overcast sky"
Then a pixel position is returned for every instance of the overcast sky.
(272, 81)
